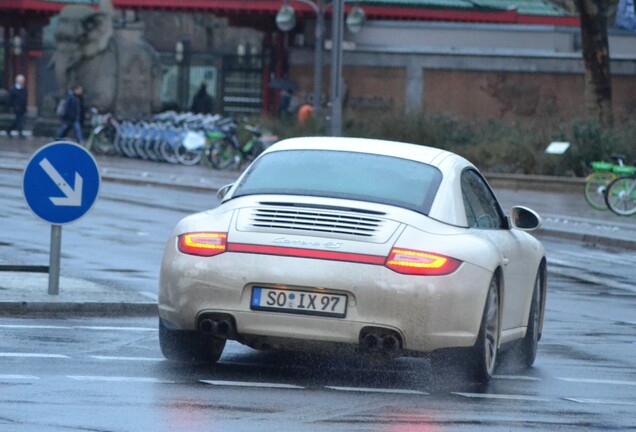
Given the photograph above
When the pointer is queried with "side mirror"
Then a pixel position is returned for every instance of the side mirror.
(221, 193)
(524, 219)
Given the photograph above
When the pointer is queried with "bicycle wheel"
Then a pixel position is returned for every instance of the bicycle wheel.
(119, 140)
(128, 146)
(189, 156)
(168, 152)
(222, 154)
(595, 187)
(102, 145)
(621, 196)
(139, 146)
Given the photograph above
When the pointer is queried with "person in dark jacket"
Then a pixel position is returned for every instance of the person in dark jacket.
(72, 117)
(17, 104)
(202, 102)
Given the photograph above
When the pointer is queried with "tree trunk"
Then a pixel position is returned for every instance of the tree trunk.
(598, 85)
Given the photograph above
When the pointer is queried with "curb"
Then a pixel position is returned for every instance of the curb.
(542, 183)
(588, 238)
(17, 309)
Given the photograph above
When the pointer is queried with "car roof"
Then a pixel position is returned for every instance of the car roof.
(429, 155)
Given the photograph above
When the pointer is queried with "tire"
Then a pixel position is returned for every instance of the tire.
(595, 187)
(150, 149)
(189, 157)
(128, 147)
(183, 345)
(528, 345)
(118, 144)
(102, 145)
(621, 196)
(478, 362)
(168, 153)
(487, 345)
(139, 147)
(222, 154)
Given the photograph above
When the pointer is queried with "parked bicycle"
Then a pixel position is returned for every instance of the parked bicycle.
(101, 140)
(188, 139)
(603, 174)
(229, 153)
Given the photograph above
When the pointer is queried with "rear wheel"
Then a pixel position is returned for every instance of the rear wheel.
(529, 344)
(487, 345)
(99, 143)
(168, 152)
(222, 154)
(621, 196)
(477, 362)
(184, 345)
(188, 157)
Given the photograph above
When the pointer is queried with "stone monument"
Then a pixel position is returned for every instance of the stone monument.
(118, 70)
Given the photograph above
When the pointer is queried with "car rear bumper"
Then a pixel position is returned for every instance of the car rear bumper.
(427, 312)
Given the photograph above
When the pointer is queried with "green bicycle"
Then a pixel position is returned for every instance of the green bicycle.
(603, 174)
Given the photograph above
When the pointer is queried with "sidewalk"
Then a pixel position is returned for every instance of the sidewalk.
(565, 214)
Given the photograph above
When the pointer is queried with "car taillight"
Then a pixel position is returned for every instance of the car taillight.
(203, 243)
(420, 263)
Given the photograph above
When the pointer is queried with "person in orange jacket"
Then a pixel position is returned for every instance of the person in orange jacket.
(305, 113)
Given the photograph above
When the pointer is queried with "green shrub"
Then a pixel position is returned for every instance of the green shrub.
(492, 145)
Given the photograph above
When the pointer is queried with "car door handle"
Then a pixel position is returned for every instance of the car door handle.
(505, 259)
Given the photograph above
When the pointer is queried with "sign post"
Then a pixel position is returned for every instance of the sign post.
(60, 185)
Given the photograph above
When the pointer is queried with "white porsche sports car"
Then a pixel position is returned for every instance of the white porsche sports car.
(344, 243)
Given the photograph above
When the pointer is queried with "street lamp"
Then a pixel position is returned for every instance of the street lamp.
(17, 45)
(356, 19)
(286, 20)
(181, 57)
(178, 52)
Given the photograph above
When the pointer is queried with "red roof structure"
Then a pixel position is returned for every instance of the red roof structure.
(258, 13)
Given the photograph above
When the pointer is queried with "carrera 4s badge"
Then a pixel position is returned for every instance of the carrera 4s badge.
(282, 241)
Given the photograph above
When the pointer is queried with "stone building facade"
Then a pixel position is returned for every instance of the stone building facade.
(513, 73)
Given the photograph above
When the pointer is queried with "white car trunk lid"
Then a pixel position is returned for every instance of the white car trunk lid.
(312, 226)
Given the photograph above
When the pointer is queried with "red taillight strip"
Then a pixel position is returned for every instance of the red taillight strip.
(306, 253)
(202, 243)
(420, 263)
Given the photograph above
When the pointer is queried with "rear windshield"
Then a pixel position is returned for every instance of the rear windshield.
(342, 174)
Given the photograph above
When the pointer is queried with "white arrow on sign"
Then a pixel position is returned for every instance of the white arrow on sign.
(73, 197)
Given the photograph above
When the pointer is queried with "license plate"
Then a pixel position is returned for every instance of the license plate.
(299, 302)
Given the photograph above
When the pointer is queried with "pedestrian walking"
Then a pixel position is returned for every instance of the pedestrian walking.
(288, 105)
(17, 104)
(71, 114)
(202, 102)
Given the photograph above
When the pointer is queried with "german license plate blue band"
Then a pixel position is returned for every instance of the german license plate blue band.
(299, 302)
(256, 298)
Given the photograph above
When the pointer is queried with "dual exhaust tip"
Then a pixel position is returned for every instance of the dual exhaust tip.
(380, 341)
(220, 326)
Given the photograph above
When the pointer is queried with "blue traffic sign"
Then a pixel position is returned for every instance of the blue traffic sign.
(61, 182)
